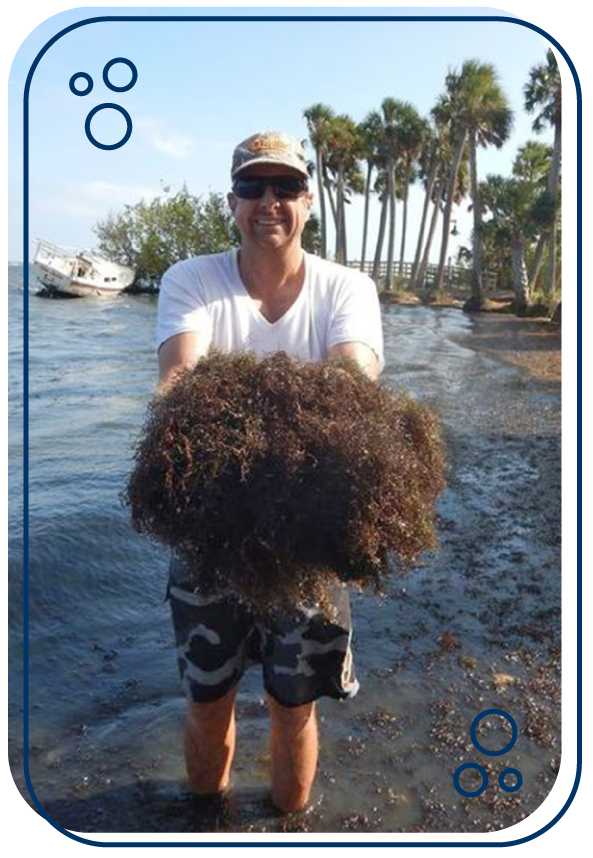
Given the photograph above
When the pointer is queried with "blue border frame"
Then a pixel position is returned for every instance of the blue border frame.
(205, 18)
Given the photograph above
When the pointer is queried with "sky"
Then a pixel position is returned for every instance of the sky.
(204, 86)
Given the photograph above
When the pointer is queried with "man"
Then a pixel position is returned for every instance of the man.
(267, 296)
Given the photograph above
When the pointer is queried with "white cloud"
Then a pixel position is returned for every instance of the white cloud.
(94, 199)
(173, 144)
(70, 207)
(116, 194)
(147, 123)
(163, 138)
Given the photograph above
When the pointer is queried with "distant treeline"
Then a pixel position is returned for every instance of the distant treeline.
(516, 222)
(150, 236)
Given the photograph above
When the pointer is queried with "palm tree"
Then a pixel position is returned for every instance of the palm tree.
(479, 113)
(419, 280)
(495, 250)
(510, 201)
(533, 164)
(353, 184)
(389, 109)
(413, 132)
(344, 147)
(318, 116)
(394, 114)
(543, 92)
(370, 130)
(382, 192)
(445, 110)
(433, 157)
(441, 189)
(515, 204)
(428, 162)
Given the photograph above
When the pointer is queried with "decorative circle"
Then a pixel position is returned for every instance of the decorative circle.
(124, 139)
(88, 79)
(483, 715)
(112, 86)
(502, 776)
(480, 789)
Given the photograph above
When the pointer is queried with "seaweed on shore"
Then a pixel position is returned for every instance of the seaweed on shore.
(275, 477)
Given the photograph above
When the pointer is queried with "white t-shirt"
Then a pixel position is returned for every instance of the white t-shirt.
(205, 294)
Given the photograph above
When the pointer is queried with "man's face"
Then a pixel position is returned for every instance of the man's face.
(269, 222)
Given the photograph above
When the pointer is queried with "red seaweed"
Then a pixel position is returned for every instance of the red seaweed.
(275, 477)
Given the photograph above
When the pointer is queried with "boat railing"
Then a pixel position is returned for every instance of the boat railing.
(48, 254)
(80, 265)
(56, 249)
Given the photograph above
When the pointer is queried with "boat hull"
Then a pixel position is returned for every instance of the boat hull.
(54, 281)
(81, 274)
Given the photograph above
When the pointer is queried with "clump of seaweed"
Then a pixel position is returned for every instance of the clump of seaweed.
(274, 478)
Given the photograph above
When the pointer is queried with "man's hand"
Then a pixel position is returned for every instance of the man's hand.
(178, 353)
(364, 356)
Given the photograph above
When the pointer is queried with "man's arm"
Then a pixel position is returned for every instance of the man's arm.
(178, 353)
(364, 356)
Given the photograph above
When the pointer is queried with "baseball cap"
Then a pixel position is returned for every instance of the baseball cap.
(270, 147)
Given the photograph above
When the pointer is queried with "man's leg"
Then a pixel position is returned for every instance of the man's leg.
(210, 743)
(293, 750)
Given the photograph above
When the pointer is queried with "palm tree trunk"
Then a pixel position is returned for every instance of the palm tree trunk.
(341, 218)
(423, 267)
(537, 262)
(367, 197)
(519, 273)
(427, 199)
(405, 218)
(477, 284)
(338, 245)
(322, 210)
(344, 234)
(440, 275)
(380, 237)
(332, 203)
(553, 189)
(391, 236)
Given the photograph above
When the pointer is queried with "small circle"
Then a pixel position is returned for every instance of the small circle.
(75, 77)
(480, 789)
(506, 772)
(483, 715)
(112, 85)
(124, 139)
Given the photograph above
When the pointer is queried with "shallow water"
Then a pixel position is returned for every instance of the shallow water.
(106, 709)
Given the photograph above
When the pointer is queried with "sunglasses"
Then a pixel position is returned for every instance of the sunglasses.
(284, 187)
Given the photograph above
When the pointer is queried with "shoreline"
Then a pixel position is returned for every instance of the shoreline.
(477, 624)
(532, 344)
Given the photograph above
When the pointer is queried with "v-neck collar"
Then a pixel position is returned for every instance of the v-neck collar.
(257, 314)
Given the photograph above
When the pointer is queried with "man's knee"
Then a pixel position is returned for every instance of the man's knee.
(213, 715)
(290, 718)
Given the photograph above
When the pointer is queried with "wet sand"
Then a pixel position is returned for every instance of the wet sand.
(534, 345)
(474, 627)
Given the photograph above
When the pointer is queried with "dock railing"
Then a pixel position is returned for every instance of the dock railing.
(457, 277)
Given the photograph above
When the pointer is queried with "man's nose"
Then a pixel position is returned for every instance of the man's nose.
(269, 197)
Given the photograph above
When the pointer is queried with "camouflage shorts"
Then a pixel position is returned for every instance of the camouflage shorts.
(304, 656)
